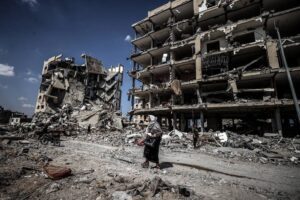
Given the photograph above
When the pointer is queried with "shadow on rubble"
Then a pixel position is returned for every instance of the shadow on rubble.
(165, 165)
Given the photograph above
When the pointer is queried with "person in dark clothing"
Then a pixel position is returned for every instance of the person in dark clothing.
(152, 142)
(195, 135)
(89, 129)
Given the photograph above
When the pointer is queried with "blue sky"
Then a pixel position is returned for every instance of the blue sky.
(33, 30)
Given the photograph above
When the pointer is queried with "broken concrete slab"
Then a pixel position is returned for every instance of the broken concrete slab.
(57, 172)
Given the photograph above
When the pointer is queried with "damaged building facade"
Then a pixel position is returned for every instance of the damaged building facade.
(217, 63)
(89, 89)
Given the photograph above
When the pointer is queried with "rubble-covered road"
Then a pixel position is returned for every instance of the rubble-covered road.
(111, 169)
(208, 176)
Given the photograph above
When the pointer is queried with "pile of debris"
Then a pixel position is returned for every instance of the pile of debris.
(271, 148)
(75, 120)
(74, 97)
(28, 172)
(123, 188)
(128, 136)
(268, 149)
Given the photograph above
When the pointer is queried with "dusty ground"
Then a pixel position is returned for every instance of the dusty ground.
(95, 168)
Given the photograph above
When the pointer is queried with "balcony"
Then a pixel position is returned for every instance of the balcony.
(159, 18)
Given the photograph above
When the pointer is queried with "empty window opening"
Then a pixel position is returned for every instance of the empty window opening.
(244, 39)
(211, 3)
(292, 55)
(214, 46)
(184, 53)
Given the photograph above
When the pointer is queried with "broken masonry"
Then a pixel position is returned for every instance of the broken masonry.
(84, 95)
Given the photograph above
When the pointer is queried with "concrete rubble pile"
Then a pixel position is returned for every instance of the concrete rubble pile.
(29, 167)
(74, 120)
(156, 188)
(74, 97)
(270, 148)
(128, 136)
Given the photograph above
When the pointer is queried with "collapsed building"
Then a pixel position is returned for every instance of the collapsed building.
(217, 63)
(87, 92)
(12, 117)
(17, 118)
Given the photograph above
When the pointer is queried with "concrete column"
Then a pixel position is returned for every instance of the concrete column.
(174, 123)
(199, 96)
(202, 121)
(234, 88)
(196, 4)
(172, 68)
(272, 54)
(172, 58)
(150, 100)
(198, 65)
(198, 68)
(278, 121)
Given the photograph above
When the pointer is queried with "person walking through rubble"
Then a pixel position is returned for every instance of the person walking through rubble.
(89, 129)
(152, 142)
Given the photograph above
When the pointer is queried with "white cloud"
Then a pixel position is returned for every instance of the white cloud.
(32, 79)
(27, 105)
(128, 38)
(6, 70)
(3, 86)
(29, 72)
(22, 99)
(31, 3)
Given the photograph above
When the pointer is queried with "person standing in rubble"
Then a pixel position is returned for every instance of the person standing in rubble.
(152, 142)
(89, 129)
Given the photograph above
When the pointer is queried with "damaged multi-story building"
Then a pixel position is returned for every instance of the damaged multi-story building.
(217, 63)
(88, 85)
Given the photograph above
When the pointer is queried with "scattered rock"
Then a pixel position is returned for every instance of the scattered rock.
(85, 179)
(57, 172)
(120, 195)
(53, 188)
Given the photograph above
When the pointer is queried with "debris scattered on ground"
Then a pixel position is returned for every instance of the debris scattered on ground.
(150, 188)
(23, 162)
(53, 188)
(57, 172)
